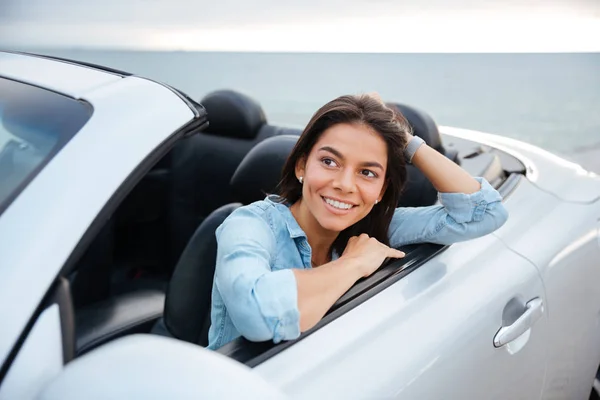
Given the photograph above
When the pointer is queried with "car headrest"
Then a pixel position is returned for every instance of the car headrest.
(422, 124)
(260, 171)
(233, 114)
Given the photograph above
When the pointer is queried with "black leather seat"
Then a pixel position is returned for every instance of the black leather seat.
(203, 164)
(187, 305)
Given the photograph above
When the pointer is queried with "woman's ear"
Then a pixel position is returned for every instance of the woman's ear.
(300, 167)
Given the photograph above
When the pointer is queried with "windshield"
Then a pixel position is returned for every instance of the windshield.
(34, 125)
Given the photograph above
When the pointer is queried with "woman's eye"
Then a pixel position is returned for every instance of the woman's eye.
(329, 162)
(368, 173)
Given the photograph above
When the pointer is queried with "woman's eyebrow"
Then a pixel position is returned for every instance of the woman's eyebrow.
(333, 151)
(372, 164)
(341, 157)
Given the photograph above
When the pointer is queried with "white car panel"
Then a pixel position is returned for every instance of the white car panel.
(154, 367)
(39, 361)
(40, 229)
(562, 241)
(425, 334)
(564, 179)
(61, 77)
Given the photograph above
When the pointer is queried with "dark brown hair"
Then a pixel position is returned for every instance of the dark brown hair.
(371, 112)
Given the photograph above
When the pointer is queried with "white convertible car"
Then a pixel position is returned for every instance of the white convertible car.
(111, 186)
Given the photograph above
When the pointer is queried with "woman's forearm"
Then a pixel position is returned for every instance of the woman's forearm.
(445, 175)
(319, 288)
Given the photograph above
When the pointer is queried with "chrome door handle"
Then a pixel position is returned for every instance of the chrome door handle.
(533, 311)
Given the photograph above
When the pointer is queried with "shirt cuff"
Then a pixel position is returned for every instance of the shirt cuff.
(280, 306)
(470, 207)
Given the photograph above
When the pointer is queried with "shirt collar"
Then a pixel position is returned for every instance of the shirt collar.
(292, 225)
(284, 208)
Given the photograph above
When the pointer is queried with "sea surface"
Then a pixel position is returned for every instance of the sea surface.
(550, 100)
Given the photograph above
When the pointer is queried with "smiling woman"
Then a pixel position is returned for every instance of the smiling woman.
(284, 261)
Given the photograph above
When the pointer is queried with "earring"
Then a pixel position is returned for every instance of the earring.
(376, 201)
(300, 180)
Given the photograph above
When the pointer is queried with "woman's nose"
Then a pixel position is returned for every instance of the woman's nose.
(344, 181)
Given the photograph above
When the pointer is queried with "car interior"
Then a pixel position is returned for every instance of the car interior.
(151, 266)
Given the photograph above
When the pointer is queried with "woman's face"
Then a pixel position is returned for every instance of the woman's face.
(343, 175)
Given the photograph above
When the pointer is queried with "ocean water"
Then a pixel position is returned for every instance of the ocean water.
(550, 100)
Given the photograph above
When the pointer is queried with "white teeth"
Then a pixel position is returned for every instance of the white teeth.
(337, 204)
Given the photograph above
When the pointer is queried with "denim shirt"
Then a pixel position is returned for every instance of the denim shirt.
(254, 292)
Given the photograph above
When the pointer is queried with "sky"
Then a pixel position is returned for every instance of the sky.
(309, 25)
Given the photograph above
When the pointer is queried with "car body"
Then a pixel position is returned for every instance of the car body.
(514, 314)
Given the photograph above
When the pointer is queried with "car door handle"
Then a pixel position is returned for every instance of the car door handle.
(533, 311)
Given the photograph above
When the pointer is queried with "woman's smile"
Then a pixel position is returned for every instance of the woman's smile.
(338, 207)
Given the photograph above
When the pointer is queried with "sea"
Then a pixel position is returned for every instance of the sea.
(549, 100)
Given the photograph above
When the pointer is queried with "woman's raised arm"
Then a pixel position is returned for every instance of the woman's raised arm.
(445, 175)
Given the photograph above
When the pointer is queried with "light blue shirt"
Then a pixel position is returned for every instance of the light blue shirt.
(254, 291)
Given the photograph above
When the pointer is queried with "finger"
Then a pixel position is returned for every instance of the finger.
(373, 239)
(396, 253)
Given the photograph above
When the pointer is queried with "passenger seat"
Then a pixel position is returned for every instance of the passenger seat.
(203, 164)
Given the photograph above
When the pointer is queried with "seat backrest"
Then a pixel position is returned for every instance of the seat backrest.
(202, 165)
(187, 303)
(260, 171)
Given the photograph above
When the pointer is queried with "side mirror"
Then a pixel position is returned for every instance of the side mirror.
(148, 366)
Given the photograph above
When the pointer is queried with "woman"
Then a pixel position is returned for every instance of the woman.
(284, 261)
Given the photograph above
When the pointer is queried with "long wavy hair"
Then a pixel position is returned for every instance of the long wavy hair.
(371, 112)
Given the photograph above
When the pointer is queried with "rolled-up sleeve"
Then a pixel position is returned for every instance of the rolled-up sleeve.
(459, 217)
(262, 304)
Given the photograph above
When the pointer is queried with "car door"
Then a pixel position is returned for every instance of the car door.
(562, 240)
(431, 335)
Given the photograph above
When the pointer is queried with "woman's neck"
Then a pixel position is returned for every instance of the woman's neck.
(319, 239)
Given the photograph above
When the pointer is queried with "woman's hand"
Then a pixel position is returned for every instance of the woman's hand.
(368, 253)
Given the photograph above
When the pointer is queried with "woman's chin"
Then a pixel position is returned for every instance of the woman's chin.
(334, 224)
